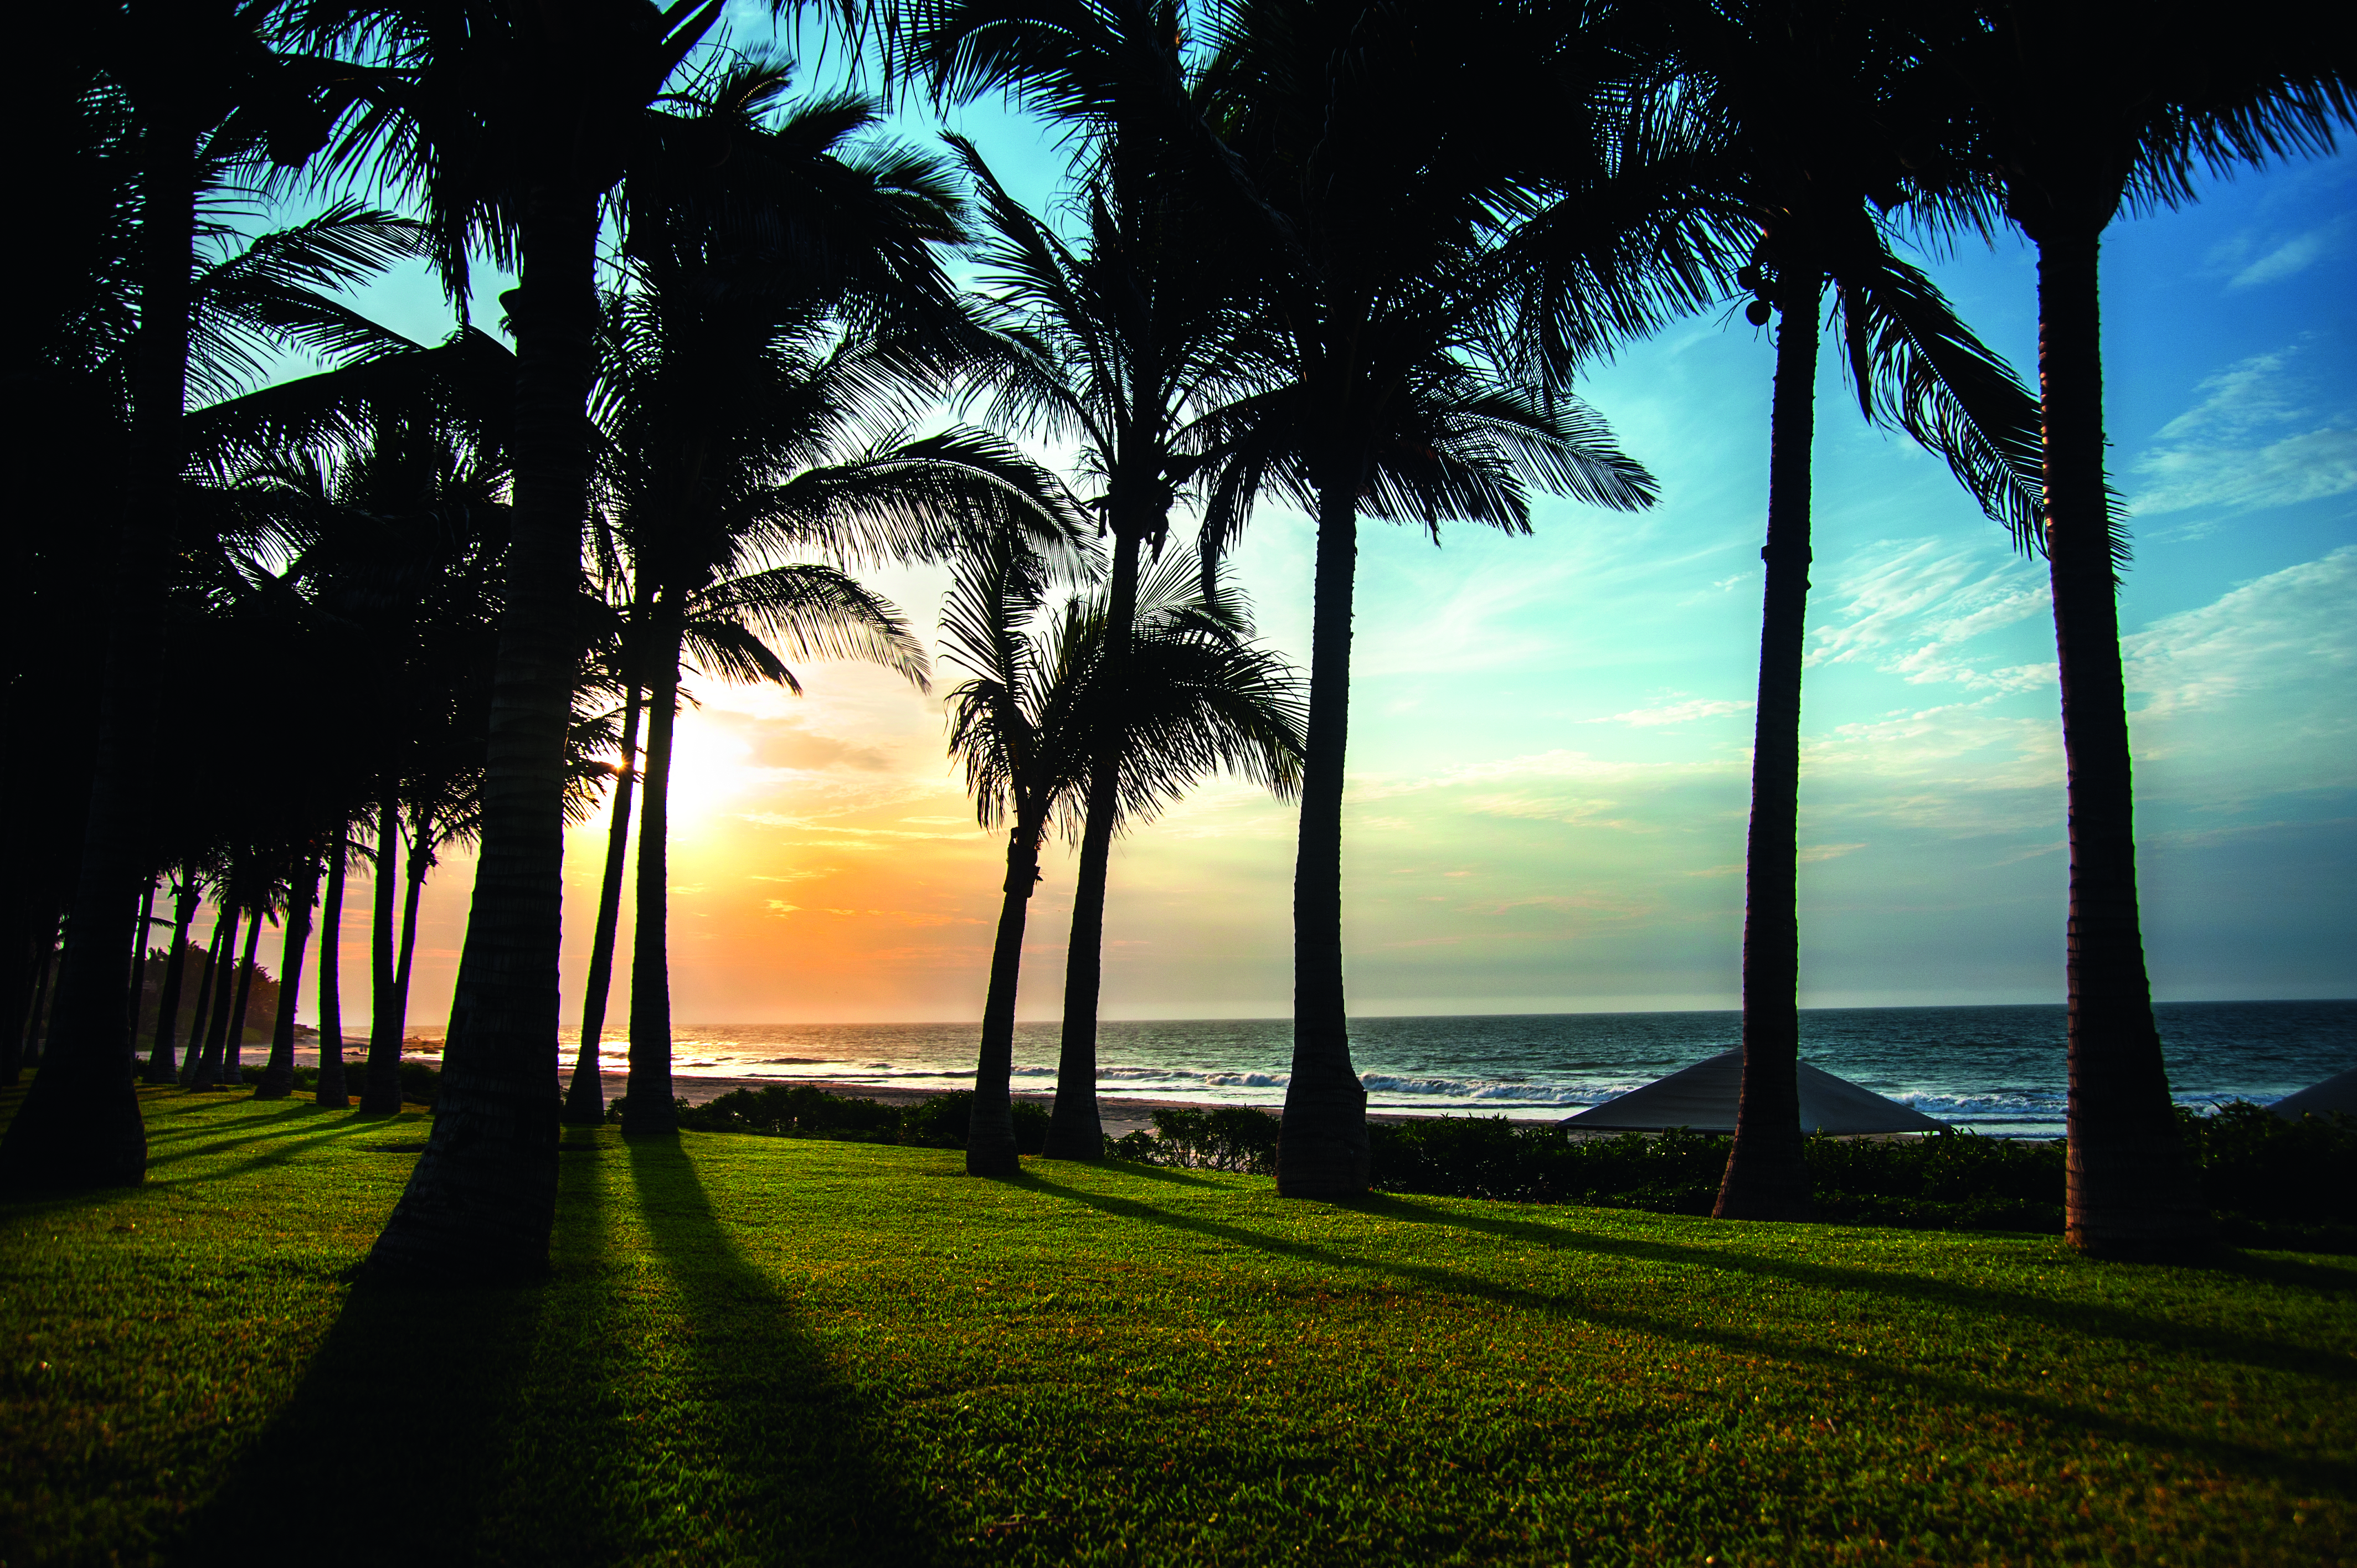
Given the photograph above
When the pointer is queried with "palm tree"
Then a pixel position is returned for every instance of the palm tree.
(1121, 345)
(1388, 272)
(508, 122)
(2068, 114)
(332, 1091)
(302, 893)
(1786, 102)
(163, 1065)
(1118, 343)
(205, 97)
(1194, 696)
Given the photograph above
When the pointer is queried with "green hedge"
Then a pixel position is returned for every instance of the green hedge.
(2274, 1183)
(799, 1110)
(421, 1082)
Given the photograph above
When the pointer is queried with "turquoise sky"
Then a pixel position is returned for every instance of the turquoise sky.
(1550, 735)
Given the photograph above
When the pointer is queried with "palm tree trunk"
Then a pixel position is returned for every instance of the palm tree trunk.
(200, 1020)
(2133, 1192)
(233, 1042)
(36, 1015)
(206, 1072)
(990, 1134)
(278, 1074)
(648, 1107)
(80, 1126)
(146, 920)
(585, 1102)
(163, 1065)
(421, 864)
(1075, 1130)
(483, 1199)
(1767, 1172)
(1321, 1150)
(380, 1084)
(331, 1091)
(17, 986)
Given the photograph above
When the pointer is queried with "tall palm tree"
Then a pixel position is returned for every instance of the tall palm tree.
(163, 1064)
(1122, 344)
(1788, 102)
(1194, 695)
(510, 122)
(2069, 114)
(1388, 271)
(206, 97)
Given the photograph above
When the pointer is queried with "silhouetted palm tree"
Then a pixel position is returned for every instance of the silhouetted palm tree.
(1787, 103)
(508, 122)
(206, 97)
(1194, 696)
(1387, 240)
(2065, 114)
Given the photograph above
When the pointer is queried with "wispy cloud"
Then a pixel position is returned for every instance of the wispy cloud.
(1683, 713)
(1908, 606)
(2252, 441)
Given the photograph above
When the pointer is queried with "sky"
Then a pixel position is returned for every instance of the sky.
(1549, 756)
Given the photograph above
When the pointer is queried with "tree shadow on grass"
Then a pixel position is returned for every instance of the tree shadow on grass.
(1156, 1173)
(2095, 1318)
(788, 1458)
(1917, 1382)
(284, 1141)
(433, 1425)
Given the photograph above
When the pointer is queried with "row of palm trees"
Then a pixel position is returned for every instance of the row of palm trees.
(1353, 256)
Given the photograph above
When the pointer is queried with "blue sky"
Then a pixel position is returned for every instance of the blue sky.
(1549, 752)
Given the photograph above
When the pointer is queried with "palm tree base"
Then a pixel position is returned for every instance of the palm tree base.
(66, 1141)
(482, 1202)
(584, 1104)
(1075, 1143)
(996, 1163)
(1323, 1162)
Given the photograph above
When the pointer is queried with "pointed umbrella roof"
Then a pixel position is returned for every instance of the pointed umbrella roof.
(2337, 1093)
(1703, 1096)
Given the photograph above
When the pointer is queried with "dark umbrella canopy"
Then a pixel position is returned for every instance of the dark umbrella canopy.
(2336, 1093)
(1703, 1097)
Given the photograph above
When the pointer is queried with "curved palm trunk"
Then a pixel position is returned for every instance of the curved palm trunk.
(648, 1107)
(1075, 1130)
(200, 1021)
(482, 1198)
(232, 1074)
(17, 969)
(584, 1102)
(36, 1014)
(1767, 1170)
(421, 863)
(207, 1071)
(381, 1084)
(2133, 1192)
(80, 1126)
(990, 1134)
(163, 1065)
(278, 1073)
(144, 922)
(331, 1091)
(1322, 1151)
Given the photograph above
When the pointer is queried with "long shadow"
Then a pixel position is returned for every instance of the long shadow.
(2078, 1318)
(393, 1442)
(792, 1446)
(291, 1141)
(2321, 1475)
(1157, 1173)
(421, 1430)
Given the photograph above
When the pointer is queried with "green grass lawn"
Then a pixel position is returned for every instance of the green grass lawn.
(757, 1349)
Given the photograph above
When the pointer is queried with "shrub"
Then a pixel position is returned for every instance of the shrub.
(800, 1110)
(2275, 1183)
(421, 1082)
(1224, 1138)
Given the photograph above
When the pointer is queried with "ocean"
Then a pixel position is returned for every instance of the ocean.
(1997, 1071)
